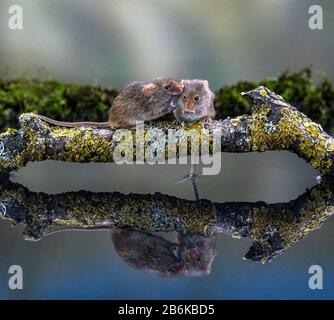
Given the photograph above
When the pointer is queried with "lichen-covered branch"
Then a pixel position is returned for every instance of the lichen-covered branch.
(272, 227)
(273, 125)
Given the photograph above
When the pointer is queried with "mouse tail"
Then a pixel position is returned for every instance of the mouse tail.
(74, 124)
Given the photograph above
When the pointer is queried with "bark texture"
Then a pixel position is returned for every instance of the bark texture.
(273, 125)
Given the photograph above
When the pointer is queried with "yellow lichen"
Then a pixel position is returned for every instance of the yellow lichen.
(236, 121)
(311, 128)
(82, 145)
(293, 127)
(263, 93)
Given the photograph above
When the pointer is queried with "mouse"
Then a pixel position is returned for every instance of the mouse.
(148, 252)
(196, 102)
(197, 252)
(138, 101)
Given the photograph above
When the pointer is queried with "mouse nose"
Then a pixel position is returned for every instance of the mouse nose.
(189, 106)
(180, 88)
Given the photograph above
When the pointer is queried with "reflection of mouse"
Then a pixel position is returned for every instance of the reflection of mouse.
(145, 251)
(197, 252)
(138, 101)
(196, 103)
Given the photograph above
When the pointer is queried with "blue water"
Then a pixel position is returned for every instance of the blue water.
(84, 265)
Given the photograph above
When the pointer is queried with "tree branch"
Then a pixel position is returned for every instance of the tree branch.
(273, 125)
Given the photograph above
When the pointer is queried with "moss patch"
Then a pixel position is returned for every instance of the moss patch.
(74, 102)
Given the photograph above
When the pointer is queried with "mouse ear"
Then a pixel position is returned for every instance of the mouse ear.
(149, 89)
(206, 83)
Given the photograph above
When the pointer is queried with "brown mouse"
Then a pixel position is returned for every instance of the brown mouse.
(148, 252)
(138, 101)
(196, 102)
(197, 252)
(144, 101)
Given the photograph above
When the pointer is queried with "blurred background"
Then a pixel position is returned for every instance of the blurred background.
(113, 42)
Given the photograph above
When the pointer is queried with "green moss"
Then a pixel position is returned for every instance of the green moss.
(296, 88)
(62, 101)
(74, 102)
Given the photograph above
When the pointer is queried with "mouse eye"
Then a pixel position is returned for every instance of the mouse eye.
(167, 86)
(196, 98)
(184, 97)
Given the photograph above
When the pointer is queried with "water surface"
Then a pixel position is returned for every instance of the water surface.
(84, 264)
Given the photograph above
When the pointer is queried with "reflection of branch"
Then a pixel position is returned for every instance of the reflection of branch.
(273, 125)
(273, 227)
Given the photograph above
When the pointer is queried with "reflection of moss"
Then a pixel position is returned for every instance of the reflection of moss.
(276, 229)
